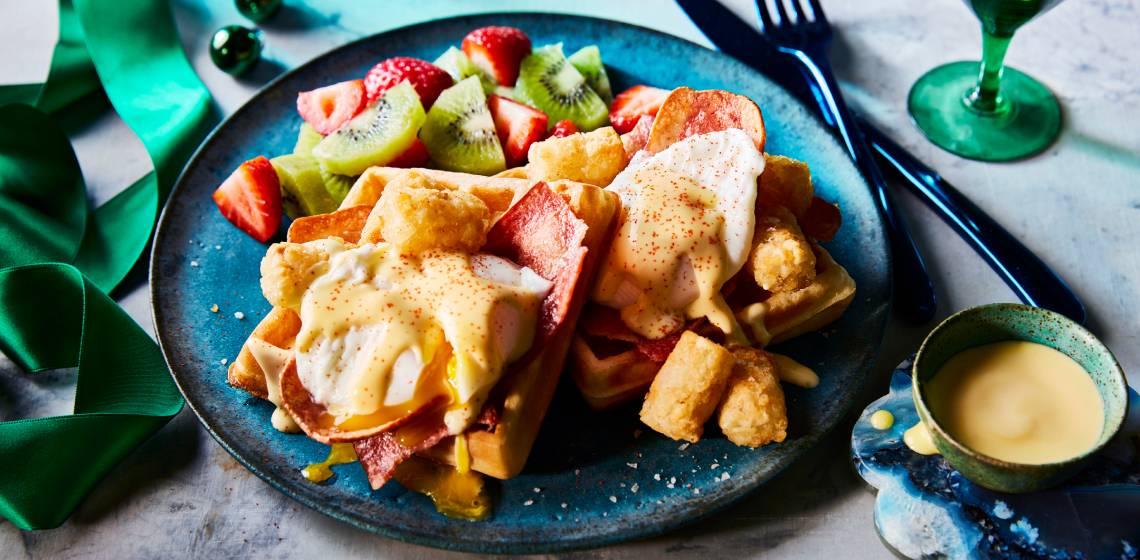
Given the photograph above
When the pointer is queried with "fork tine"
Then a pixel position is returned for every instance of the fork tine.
(817, 11)
(784, 19)
(765, 17)
(801, 13)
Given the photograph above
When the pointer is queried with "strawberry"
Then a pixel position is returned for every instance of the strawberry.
(518, 126)
(632, 103)
(498, 51)
(250, 198)
(327, 108)
(563, 128)
(427, 79)
(415, 155)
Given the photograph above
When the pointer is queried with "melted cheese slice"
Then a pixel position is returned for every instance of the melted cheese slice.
(383, 334)
(688, 215)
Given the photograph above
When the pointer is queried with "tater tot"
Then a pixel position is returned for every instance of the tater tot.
(688, 387)
(288, 268)
(782, 259)
(415, 215)
(587, 157)
(752, 412)
(785, 182)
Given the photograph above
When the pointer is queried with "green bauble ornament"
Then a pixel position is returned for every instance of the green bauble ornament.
(235, 49)
(258, 10)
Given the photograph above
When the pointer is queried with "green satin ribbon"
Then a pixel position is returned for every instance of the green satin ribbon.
(60, 257)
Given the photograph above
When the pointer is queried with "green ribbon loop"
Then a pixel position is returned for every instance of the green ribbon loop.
(52, 317)
(54, 314)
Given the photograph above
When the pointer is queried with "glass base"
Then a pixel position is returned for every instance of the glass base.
(1027, 118)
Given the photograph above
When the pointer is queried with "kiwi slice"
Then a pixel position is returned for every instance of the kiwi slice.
(588, 62)
(375, 136)
(459, 132)
(454, 62)
(307, 139)
(303, 190)
(336, 185)
(548, 81)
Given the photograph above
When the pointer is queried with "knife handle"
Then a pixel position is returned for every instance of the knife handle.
(1026, 274)
(912, 286)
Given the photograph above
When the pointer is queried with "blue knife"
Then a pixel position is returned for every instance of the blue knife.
(1029, 277)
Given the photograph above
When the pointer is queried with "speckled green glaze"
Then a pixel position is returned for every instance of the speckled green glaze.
(1006, 321)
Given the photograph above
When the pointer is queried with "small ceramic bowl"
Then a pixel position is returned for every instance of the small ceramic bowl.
(1006, 321)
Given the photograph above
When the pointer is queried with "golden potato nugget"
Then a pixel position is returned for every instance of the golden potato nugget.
(417, 218)
(687, 112)
(785, 182)
(288, 268)
(782, 259)
(586, 157)
(688, 388)
(822, 220)
(496, 193)
(752, 412)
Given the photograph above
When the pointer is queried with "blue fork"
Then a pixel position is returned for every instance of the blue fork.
(805, 39)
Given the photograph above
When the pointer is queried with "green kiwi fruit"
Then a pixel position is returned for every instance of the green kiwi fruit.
(454, 62)
(375, 136)
(336, 185)
(548, 81)
(588, 62)
(307, 139)
(303, 190)
(459, 132)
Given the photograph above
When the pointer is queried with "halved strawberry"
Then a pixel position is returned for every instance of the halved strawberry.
(564, 127)
(427, 79)
(250, 198)
(327, 108)
(518, 127)
(629, 105)
(498, 51)
(415, 156)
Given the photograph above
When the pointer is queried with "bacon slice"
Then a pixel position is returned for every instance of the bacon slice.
(605, 322)
(383, 452)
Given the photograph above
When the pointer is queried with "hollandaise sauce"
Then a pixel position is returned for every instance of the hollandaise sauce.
(686, 227)
(384, 334)
(339, 454)
(456, 494)
(1017, 401)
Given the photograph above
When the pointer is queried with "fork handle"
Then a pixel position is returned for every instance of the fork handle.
(1026, 274)
(912, 285)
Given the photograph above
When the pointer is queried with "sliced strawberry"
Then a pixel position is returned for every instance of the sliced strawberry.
(327, 108)
(498, 51)
(428, 79)
(562, 128)
(415, 156)
(631, 104)
(518, 126)
(250, 198)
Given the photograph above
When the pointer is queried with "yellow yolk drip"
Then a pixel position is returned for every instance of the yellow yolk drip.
(675, 225)
(918, 439)
(1017, 401)
(339, 454)
(376, 315)
(455, 494)
(462, 454)
(882, 420)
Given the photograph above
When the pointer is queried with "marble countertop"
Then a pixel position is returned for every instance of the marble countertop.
(1077, 205)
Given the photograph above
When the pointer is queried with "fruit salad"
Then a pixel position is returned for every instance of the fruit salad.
(476, 109)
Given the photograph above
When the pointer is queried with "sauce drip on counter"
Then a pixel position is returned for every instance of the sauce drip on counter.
(918, 439)
(882, 420)
(455, 494)
(339, 454)
(1017, 401)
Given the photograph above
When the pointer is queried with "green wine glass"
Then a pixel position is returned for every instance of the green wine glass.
(986, 111)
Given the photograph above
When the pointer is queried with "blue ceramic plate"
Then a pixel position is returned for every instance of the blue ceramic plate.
(592, 478)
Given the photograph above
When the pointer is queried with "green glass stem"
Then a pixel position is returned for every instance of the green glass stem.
(986, 97)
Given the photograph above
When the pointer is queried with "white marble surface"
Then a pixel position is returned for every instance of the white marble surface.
(1077, 205)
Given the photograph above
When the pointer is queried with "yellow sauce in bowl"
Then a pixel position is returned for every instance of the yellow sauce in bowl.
(1017, 401)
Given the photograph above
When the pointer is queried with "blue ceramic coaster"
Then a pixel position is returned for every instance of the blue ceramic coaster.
(925, 508)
